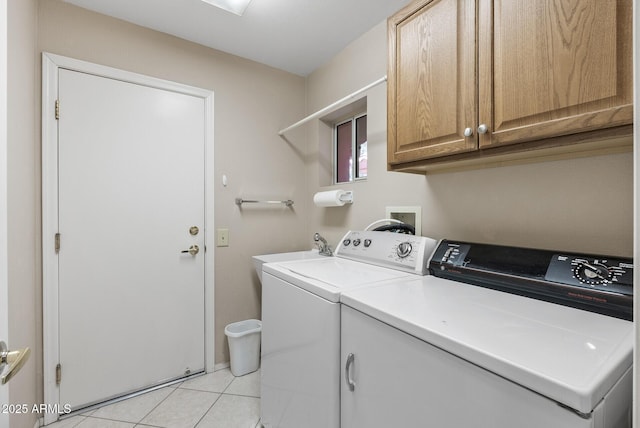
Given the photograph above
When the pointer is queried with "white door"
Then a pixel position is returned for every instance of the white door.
(131, 195)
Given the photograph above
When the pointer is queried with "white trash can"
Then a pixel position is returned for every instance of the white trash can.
(244, 346)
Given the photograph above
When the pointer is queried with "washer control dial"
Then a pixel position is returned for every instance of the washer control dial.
(404, 249)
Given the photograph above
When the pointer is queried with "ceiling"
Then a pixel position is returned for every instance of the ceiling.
(297, 36)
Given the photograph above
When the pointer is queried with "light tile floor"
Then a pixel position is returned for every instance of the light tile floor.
(215, 400)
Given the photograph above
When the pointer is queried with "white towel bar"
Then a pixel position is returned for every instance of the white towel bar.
(240, 201)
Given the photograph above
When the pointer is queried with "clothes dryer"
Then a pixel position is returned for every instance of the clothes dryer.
(505, 337)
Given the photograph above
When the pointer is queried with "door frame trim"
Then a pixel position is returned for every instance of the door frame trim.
(4, 264)
(51, 64)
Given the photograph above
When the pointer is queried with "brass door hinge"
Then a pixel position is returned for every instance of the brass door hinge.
(58, 374)
(57, 109)
(57, 243)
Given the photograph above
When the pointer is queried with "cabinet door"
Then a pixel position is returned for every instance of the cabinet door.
(401, 381)
(431, 80)
(553, 67)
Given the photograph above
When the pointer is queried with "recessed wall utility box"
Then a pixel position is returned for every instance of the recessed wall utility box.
(409, 215)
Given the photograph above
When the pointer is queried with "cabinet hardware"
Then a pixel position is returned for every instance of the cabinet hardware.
(347, 372)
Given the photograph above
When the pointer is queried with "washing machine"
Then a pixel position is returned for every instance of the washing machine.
(300, 354)
(496, 337)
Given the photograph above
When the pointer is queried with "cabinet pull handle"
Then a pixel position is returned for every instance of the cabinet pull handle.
(347, 372)
(468, 132)
(482, 129)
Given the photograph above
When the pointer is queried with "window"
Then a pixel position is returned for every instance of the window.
(350, 149)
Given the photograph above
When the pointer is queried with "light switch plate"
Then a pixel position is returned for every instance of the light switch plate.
(222, 239)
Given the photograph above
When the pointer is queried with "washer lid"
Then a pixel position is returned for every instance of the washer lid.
(569, 355)
(329, 277)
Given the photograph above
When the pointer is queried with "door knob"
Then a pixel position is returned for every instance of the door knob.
(482, 129)
(468, 132)
(193, 250)
(13, 359)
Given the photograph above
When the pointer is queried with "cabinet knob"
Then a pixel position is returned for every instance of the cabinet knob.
(482, 129)
(468, 132)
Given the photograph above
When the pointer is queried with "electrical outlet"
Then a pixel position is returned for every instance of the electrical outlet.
(223, 238)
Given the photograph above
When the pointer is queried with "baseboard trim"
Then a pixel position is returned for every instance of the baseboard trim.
(221, 366)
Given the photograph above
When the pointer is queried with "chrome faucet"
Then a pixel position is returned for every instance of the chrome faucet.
(323, 245)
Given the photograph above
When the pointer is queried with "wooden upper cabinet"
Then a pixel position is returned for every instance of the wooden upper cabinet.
(431, 80)
(553, 67)
(535, 74)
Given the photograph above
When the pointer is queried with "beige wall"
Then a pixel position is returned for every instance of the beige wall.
(579, 204)
(252, 102)
(23, 202)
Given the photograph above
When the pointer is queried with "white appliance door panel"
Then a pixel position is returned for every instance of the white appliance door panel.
(401, 381)
(131, 184)
(300, 357)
